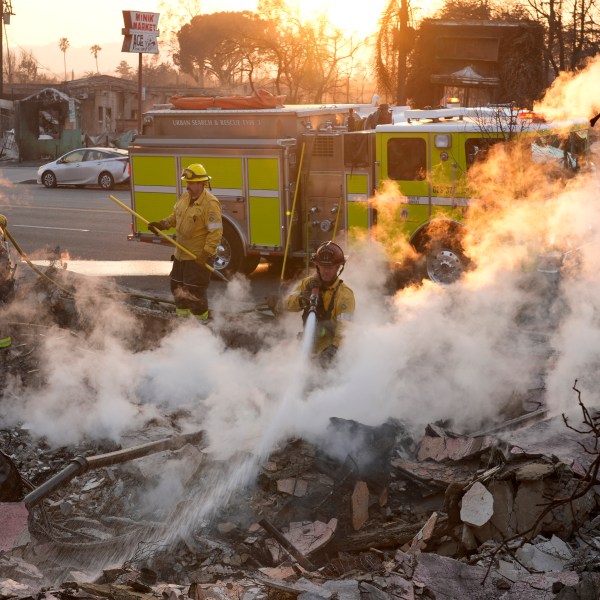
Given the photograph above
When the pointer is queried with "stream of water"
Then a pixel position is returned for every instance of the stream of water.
(215, 491)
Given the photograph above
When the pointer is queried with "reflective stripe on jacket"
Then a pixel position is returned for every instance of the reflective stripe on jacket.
(198, 227)
(330, 331)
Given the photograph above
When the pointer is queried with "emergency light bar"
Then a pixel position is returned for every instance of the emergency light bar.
(532, 116)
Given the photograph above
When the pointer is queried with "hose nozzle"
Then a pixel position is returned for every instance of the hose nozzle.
(314, 299)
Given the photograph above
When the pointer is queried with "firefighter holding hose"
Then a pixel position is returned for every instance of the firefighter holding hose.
(199, 228)
(330, 298)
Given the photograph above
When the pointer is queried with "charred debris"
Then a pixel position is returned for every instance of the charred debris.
(366, 513)
(445, 516)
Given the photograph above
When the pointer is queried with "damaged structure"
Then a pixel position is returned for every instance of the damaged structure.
(48, 124)
(477, 63)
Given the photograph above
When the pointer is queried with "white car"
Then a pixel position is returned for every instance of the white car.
(87, 166)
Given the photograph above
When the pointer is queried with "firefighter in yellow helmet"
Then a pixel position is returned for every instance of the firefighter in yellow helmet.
(198, 227)
(334, 300)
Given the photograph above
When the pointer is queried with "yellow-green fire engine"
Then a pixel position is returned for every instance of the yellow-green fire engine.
(290, 178)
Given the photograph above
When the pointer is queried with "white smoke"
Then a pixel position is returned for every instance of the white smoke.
(459, 353)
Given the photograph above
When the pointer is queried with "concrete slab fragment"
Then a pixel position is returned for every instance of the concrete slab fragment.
(306, 537)
(419, 542)
(546, 556)
(534, 471)
(477, 505)
(345, 589)
(13, 525)
(450, 579)
(292, 486)
(9, 588)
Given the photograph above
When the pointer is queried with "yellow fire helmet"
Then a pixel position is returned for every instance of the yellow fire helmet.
(195, 172)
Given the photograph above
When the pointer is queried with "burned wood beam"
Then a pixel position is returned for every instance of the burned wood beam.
(287, 545)
(385, 537)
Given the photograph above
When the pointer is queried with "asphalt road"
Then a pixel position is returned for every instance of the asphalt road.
(83, 224)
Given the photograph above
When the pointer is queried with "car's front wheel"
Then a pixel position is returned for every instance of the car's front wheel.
(106, 181)
(49, 179)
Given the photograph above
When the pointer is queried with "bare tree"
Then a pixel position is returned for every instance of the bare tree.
(309, 60)
(63, 44)
(571, 31)
(394, 43)
(94, 50)
(173, 16)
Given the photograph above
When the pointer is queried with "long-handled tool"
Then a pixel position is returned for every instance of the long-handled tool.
(169, 239)
(14, 515)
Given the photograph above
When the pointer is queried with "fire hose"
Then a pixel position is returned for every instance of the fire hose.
(169, 239)
(23, 255)
(26, 259)
(82, 464)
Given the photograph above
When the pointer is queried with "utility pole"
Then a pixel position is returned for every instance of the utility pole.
(6, 10)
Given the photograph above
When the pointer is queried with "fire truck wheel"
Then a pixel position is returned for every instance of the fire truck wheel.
(440, 246)
(444, 265)
(230, 254)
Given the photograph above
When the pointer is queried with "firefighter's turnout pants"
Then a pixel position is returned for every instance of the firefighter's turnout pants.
(189, 285)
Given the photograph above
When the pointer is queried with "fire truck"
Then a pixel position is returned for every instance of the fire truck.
(289, 178)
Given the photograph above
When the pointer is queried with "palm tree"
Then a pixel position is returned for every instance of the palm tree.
(94, 50)
(63, 44)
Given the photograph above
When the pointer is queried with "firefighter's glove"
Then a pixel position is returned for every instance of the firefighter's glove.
(327, 355)
(155, 227)
(204, 257)
(313, 283)
(304, 298)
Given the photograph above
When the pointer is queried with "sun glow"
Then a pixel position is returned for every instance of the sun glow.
(355, 20)
(345, 16)
(362, 20)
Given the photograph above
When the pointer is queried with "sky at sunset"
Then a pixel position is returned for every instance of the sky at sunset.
(38, 25)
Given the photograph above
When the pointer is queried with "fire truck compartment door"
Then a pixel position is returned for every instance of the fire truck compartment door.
(357, 194)
(155, 188)
(264, 199)
(226, 174)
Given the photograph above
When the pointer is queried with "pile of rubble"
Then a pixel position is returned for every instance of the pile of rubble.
(366, 513)
(447, 516)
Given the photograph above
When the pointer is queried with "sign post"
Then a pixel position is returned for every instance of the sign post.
(140, 35)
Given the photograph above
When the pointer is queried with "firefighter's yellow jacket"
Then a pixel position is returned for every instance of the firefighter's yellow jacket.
(198, 227)
(334, 311)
